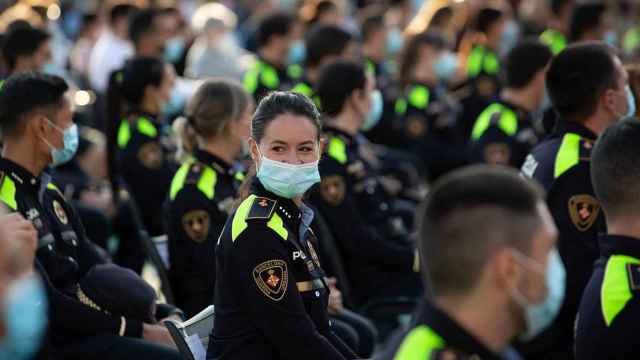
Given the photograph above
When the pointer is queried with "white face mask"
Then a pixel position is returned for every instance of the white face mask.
(539, 316)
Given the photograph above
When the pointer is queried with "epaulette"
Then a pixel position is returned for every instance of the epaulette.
(262, 208)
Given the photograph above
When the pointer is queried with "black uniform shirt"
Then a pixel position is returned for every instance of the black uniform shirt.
(271, 297)
(144, 158)
(64, 255)
(562, 165)
(435, 335)
(608, 318)
(201, 197)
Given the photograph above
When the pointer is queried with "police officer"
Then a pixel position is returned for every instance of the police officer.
(555, 36)
(589, 89)
(26, 49)
(138, 147)
(276, 39)
(204, 189)
(324, 44)
(38, 131)
(505, 132)
(271, 296)
(611, 304)
(370, 229)
(487, 240)
(425, 113)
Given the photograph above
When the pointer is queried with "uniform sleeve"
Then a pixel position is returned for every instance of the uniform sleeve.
(195, 224)
(262, 277)
(336, 203)
(68, 316)
(89, 254)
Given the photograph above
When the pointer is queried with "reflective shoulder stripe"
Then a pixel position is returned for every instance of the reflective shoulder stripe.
(303, 89)
(337, 149)
(146, 127)
(239, 176)
(8, 192)
(508, 121)
(419, 97)
(631, 40)
(1, 84)
(295, 71)
(269, 77)
(124, 134)
(615, 291)
(52, 186)
(474, 63)
(207, 182)
(554, 39)
(178, 180)
(401, 106)
(239, 223)
(568, 154)
(419, 344)
(250, 79)
(490, 63)
(276, 224)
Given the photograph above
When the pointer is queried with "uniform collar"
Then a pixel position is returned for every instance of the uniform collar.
(213, 161)
(453, 334)
(21, 176)
(619, 245)
(268, 63)
(565, 126)
(135, 114)
(333, 131)
(286, 208)
(519, 110)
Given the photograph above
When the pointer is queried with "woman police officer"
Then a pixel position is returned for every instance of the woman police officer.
(271, 297)
(204, 189)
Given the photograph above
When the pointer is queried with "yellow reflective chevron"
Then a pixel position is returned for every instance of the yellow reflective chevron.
(337, 149)
(568, 154)
(276, 224)
(250, 79)
(178, 180)
(269, 76)
(295, 71)
(631, 40)
(481, 59)
(143, 125)
(8, 192)
(303, 89)
(419, 97)
(239, 223)
(554, 39)
(239, 176)
(207, 182)
(419, 344)
(615, 291)
(401, 106)
(508, 121)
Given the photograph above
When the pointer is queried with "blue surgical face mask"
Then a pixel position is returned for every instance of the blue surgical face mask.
(297, 53)
(375, 111)
(509, 37)
(287, 180)
(394, 41)
(611, 38)
(174, 49)
(70, 139)
(539, 316)
(631, 102)
(24, 314)
(49, 68)
(176, 103)
(446, 65)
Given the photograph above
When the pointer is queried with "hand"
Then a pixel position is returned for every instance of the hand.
(157, 334)
(20, 239)
(335, 297)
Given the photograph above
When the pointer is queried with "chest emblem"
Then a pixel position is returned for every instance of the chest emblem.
(272, 278)
(60, 213)
(583, 210)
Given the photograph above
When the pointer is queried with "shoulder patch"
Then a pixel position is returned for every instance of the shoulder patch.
(583, 210)
(196, 224)
(150, 155)
(262, 208)
(272, 278)
(633, 270)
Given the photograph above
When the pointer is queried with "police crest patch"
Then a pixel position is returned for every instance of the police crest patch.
(272, 278)
(333, 189)
(583, 210)
(150, 155)
(60, 213)
(196, 225)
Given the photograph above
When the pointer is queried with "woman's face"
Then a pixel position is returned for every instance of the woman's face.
(291, 139)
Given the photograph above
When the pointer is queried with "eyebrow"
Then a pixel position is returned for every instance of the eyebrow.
(280, 142)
